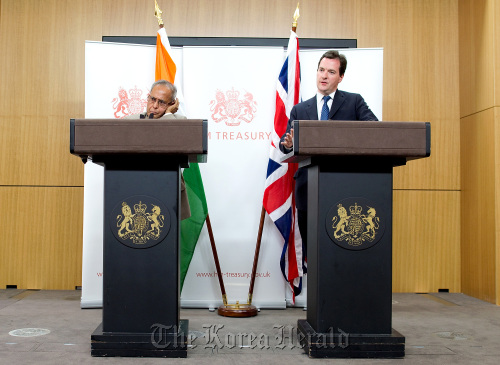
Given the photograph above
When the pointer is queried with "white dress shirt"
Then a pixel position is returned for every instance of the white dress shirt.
(320, 101)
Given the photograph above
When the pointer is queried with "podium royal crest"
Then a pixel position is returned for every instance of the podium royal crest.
(140, 221)
(355, 223)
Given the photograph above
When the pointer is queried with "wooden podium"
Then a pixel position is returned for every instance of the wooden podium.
(142, 162)
(349, 254)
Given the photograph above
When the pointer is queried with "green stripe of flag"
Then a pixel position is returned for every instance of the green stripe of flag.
(191, 227)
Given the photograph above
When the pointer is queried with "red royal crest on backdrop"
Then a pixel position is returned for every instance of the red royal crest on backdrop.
(124, 105)
(232, 110)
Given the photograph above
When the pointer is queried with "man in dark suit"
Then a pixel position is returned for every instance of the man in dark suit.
(328, 104)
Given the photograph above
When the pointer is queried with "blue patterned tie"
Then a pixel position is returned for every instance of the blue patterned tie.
(325, 110)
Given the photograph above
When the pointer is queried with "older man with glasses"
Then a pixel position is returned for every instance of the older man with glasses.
(162, 103)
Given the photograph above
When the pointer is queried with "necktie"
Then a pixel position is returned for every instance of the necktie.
(325, 110)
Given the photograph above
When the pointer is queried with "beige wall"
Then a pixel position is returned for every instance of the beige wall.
(42, 87)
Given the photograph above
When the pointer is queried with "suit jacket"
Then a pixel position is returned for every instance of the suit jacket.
(185, 209)
(345, 106)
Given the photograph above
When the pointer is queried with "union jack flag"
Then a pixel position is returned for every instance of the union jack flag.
(279, 193)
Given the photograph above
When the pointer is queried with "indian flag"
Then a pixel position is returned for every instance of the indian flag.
(165, 69)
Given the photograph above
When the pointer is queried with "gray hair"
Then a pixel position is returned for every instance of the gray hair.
(168, 85)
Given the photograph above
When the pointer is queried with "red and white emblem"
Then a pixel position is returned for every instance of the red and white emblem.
(232, 110)
(123, 105)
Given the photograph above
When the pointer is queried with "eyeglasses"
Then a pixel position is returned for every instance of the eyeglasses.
(161, 103)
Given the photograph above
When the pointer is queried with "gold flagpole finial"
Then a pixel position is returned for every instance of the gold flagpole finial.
(295, 17)
(158, 13)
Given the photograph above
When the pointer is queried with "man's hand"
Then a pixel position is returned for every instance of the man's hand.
(288, 142)
(174, 107)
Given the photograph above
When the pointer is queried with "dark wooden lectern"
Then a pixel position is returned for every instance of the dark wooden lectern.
(142, 161)
(349, 233)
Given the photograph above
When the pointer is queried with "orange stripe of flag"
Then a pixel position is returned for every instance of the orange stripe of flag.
(165, 67)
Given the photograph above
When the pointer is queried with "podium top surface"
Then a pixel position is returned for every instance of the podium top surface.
(90, 137)
(401, 140)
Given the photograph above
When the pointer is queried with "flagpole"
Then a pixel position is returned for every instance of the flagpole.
(263, 211)
(158, 13)
(216, 259)
(256, 255)
(295, 18)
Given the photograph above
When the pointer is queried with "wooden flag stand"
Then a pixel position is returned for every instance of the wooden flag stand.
(227, 310)
(246, 309)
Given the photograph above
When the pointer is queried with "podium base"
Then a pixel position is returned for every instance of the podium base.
(159, 343)
(348, 345)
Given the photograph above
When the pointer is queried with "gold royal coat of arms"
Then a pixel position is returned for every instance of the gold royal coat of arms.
(140, 227)
(355, 225)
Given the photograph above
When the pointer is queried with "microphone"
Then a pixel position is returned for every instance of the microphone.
(151, 116)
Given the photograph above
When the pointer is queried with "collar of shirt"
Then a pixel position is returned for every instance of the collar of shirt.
(319, 102)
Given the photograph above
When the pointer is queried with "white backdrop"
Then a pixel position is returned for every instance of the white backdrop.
(117, 79)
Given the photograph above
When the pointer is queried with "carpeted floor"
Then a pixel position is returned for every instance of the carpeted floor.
(48, 327)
